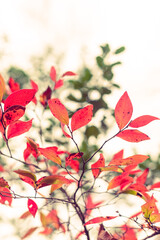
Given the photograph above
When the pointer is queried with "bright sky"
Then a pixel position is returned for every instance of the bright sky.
(70, 26)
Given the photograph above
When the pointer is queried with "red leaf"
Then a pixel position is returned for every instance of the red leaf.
(53, 74)
(51, 154)
(58, 84)
(2, 87)
(99, 163)
(5, 196)
(133, 136)
(69, 73)
(25, 215)
(90, 205)
(29, 232)
(17, 128)
(123, 111)
(82, 117)
(27, 177)
(116, 156)
(99, 220)
(32, 207)
(12, 114)
(21, 97)
(122, 179)
(34, 85)
(132, 160)
(4, 183)
(155, 185)
(14, 86)
(58, 110)
(45, 96)
(46, 231)
(64, 132)
(142, 178)
(142, 121)
(72, 162)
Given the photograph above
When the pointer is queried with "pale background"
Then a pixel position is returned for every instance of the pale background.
(71, 26)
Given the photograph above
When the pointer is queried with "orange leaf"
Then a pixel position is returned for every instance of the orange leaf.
(95, 166)
(148, 207)
(122, 179)
(51, 154)
(29, 232)
(133, 160)
(123, 111)
(154, 217)
(25, 215)
(58, 110)
(142, 121)
(111, 168)
(4, 183)
(82, 117)
(116, 156)
(27, 177)
(99, 220)
(133, 136)
(32, 207)
(2, 87)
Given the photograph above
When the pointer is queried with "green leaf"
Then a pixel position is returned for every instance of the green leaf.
(100, 62)
(119, 50)
(92, 131)
(105, 49)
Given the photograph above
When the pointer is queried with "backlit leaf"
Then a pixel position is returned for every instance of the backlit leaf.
(53, 74)
(4, 183)
(17, 128)
(90, 205)
(123, 179)
(99, 220)
(58, 84)
(14, 86)
(27, 177)
(58, 110)
(29, 232)
(154, 217)
(117, 156)
(2, 87)
(82, 117)
(143, 177)
(142, 121)
(51, 154)
(21, 97)
(45, 96)
(148, 207)
(72, 161)
(132, 160)
(133, 136)
(69, 73)
(111, 168)
(5, 196)
(123, 111)
(12, 114)
(25, 215)
(64, 132)
(32, 207)
(96, 167)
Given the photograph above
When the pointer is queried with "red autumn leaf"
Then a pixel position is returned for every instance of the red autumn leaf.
(58, 110)
(72, 161)
(69, 73)
(129, 233)
(21, 97)
(55, 180)
(148, 207)
(51, 154)
(53, 74)
(116, 156)
(14, 86)
(58, 84)
(99, 220)
(29, 232)
(95, 166)
(142, 178)
(32, 148)
(90, 205)
(155, 185)
(64, 132)
(27, 177)
(4, 183)
(5, 196)
(45, 96)
(79, 234)
(17, 128)
(154, 217)
(123, 179)
(82, 117)
(52, 218)
(138, 187)
(123, 111)
(142, 121)
(132, 160)
(34, 86)
(32, 207)
(25, 215)
(46, 231)
(133, 136)
(12, 114)
(2, 87)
